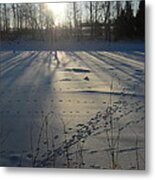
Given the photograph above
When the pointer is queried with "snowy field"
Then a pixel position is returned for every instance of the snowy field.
(87, 111)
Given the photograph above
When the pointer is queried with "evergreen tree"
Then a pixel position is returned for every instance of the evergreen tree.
(140, 20)
(129, 26)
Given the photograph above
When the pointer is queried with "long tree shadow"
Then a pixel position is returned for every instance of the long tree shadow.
(103, 68)
(9, 57)
(38, 94)
(17, 71)
(109, 61)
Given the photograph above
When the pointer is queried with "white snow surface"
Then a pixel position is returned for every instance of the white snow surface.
(77, 113)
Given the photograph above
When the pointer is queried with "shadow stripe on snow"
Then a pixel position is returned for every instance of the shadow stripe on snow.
(118, 93)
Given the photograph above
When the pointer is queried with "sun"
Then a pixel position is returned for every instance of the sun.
(58, 10)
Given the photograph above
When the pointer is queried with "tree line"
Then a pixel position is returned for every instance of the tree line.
(109, 20)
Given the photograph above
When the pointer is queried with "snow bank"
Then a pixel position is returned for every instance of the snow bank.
(72, 46)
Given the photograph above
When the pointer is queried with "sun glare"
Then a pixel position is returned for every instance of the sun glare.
(58, 10)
